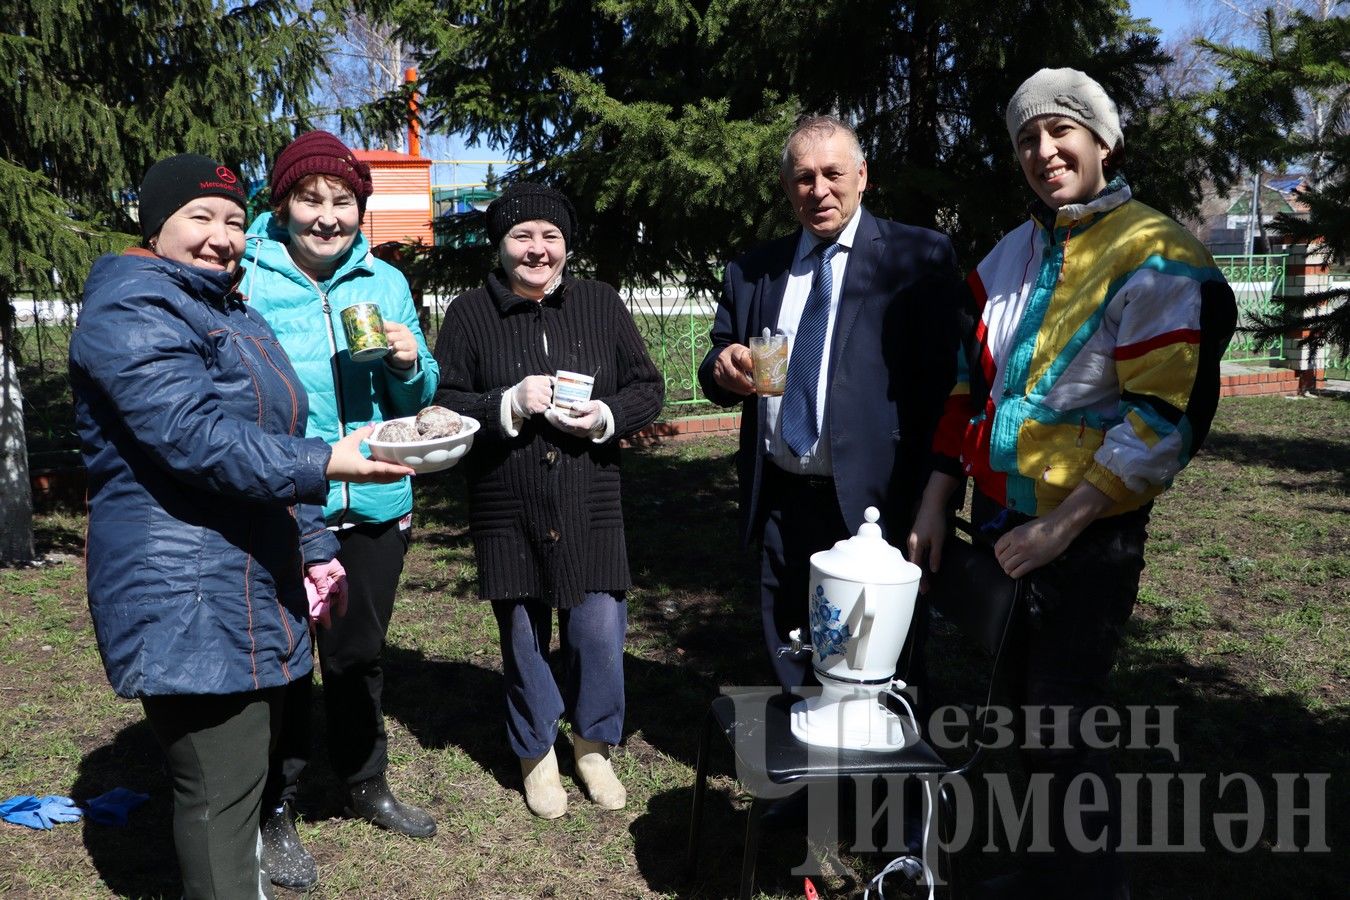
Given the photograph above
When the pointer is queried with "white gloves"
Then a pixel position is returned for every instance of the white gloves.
(586, 420)
(532, 395)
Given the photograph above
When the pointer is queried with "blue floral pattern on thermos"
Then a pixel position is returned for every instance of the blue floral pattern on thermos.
(828, 636)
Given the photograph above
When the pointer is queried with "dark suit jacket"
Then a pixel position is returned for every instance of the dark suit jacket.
(892, 363)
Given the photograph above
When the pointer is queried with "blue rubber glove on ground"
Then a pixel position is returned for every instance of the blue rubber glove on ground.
(113, 807)
(23, 810)
(39, 812)
(59, 809)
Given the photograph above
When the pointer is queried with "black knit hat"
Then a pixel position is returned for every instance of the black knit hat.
(525, 201)
(172, 183)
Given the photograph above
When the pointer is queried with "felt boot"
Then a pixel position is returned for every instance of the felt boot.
(596, 773)
(373, 801)
(544, 793)
(284, 859)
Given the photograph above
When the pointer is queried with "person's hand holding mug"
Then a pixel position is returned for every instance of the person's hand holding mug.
(586, 420)
(402, 345)
(734, 369)
(533, 394)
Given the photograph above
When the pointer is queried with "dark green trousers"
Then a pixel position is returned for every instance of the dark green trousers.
(217, 749)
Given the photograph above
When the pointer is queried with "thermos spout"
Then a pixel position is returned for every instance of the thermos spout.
(796, 649)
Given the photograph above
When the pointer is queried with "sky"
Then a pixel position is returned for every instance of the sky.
(1172, 16)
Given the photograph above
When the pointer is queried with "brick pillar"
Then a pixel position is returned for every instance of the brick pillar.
(1306, 272)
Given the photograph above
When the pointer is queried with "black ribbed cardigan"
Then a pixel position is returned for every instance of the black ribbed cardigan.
(545, 510)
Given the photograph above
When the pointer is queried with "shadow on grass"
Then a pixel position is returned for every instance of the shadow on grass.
(64, 535)
(1306, 455)
(447, 703)
(135, 860)
(1223, 727)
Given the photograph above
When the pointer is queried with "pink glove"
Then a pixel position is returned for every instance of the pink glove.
(326, 588)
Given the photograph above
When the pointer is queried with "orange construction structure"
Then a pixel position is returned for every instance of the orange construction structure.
(400, 208)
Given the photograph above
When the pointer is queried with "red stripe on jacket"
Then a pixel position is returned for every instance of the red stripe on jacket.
(1179, 336)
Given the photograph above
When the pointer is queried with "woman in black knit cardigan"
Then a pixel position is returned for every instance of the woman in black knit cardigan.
(545, 512)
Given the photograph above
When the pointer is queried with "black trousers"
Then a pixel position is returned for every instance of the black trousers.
(216, 746)
(1078, 606)
(349, 658)
(802, 517)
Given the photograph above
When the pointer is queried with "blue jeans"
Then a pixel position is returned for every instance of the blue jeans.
(591, 694)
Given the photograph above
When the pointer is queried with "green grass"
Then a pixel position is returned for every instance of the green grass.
(1241, 622)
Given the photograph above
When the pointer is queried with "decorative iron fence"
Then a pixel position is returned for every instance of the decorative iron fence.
(41, 340)
(1337, 363)
(675, 325)
(1255, 281)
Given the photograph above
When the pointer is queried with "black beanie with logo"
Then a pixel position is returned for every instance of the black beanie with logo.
(172, 183)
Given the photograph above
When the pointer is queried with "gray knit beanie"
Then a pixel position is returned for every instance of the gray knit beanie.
(1069, 93)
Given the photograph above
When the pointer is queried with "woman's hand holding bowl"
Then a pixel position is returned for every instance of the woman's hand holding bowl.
(348, 463)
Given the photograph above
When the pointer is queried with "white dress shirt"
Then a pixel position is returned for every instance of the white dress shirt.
(800, 278)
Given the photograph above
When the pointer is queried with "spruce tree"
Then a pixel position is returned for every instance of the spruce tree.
(664, 121)
(1261, 111)
(90, 95)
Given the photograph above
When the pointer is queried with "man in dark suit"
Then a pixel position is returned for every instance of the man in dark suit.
(869, 307)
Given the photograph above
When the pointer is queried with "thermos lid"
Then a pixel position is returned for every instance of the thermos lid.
(866, 557)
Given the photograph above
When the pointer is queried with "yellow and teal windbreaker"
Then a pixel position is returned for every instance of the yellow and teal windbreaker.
(1097, 334)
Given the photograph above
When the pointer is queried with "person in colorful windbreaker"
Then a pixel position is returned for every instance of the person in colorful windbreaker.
(306, 262)
(1088, 379)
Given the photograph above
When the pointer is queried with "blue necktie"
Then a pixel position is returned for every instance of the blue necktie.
(797, 415)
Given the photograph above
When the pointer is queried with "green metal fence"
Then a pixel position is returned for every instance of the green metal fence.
(41, 340)
(1255, 281)
(674, 324)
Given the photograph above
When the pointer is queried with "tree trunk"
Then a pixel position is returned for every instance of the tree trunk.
(921, 138)
(16, 494)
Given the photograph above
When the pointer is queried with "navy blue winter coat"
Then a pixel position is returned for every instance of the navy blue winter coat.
(192, 422)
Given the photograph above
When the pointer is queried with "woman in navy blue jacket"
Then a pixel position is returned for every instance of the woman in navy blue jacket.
(201, 488)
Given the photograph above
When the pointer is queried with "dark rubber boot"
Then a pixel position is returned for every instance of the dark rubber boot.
(373, 801)
(284, 859)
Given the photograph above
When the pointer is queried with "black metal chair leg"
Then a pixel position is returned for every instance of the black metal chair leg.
(700, 791)
(751, 857)
(946, 861)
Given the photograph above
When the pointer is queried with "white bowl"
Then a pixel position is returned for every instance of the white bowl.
(424, 457)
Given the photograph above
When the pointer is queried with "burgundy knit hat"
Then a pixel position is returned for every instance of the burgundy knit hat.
(320, 153)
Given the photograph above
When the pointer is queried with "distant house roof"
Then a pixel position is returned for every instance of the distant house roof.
(1285, 184)
(400, 210)
(1224, 219)
(390, 158)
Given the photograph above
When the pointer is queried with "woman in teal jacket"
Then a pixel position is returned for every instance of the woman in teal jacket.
(305, 262)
